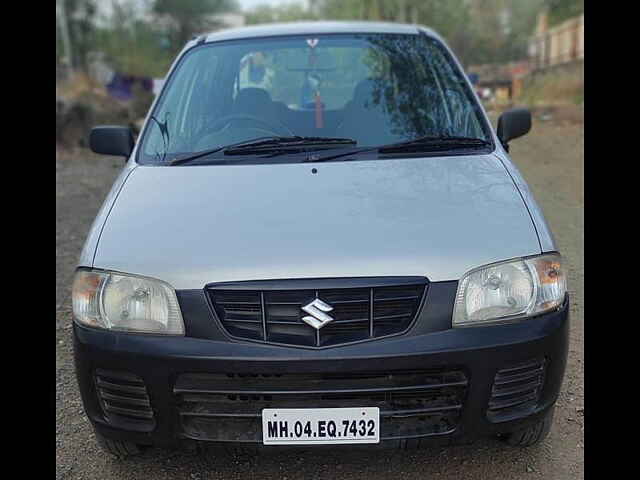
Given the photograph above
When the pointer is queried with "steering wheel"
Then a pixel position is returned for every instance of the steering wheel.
(276, 127)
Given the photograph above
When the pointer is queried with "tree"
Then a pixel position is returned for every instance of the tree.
(190, 17)
(561, 10)
(479, 31)
(279, 13)
(523, 19)
(132, 45)
(76, 28)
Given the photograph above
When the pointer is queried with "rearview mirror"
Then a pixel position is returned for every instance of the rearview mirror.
(111, 140)
(513, 123)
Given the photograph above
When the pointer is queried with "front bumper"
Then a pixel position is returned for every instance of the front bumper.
(161, 364)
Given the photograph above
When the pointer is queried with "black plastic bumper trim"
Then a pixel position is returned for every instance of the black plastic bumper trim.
(480, 351)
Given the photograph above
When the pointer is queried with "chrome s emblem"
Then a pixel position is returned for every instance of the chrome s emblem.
(317, 317)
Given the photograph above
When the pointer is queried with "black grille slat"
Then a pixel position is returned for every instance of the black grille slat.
(496, 405)
(284, 321)
(420, 403)
(238, 310)
(109, 407)
(530, 365)
(347, 321)
(119, 398)
(393, 299)
(118, 387)
(527, 387)
(312, 382)
(392, 390)
(205, 410)
(358, 313)
(342, 327)
(124, 400)
(249, 305)
(242, 320)
(348, 302)
(389, 317)
(516, 390)
(519, 376)
(420, 411)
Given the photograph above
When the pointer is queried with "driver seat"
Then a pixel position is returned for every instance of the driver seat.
(257, 103)
(365, 119)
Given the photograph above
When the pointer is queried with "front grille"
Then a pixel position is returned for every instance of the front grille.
(275, 316)
(227, 407)
(124, 400)
(516, 390)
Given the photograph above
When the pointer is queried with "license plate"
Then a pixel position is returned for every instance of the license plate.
(316, 426)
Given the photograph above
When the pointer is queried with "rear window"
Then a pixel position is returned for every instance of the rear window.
(289, 78)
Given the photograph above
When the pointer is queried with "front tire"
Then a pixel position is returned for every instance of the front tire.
(118, 448)
(531, 435)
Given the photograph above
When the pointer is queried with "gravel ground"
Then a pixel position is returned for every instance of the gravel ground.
(551, 160)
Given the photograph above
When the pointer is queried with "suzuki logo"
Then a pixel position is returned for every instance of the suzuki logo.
(317, 317)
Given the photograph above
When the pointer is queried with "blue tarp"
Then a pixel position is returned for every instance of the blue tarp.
(121, 85)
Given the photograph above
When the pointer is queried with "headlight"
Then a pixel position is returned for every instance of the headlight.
(509, 290)
(116, 301)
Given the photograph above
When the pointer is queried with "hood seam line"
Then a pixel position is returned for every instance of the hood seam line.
(106, 218)
(515, 184)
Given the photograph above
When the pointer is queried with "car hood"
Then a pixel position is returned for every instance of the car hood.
(436, 217)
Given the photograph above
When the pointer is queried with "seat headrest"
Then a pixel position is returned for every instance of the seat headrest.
(363, 93)
(252, 99)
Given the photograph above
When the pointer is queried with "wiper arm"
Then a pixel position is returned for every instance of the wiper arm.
(195, 156)
(285, 144)
(434, 143)
(326, 158)
(288, 143)
(204, 153)
(264, 145)
(422, 143)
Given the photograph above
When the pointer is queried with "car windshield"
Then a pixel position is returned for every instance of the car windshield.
(374, 89)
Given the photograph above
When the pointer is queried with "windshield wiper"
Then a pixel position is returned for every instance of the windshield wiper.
(430, 143)
(420, 144)
(210, 151)
(317, 158)
(286, 143)
(264, 145)
(277, 145)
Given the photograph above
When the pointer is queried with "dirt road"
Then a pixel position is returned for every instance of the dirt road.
(551, 160)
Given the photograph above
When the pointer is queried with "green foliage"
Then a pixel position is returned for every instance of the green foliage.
(556, 86)
(190, 17)
(131, 45)
(279, 13)
(80, 15)
(136, 51)
(561, 10)
(141, 46)
(479, 31)
(59, 45)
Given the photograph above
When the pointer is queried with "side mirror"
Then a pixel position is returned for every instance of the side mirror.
(513, 124)
(111, 140)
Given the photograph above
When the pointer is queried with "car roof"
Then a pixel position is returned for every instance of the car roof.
(315, 28)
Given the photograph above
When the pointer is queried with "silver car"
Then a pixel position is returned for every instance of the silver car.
(318, 238)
